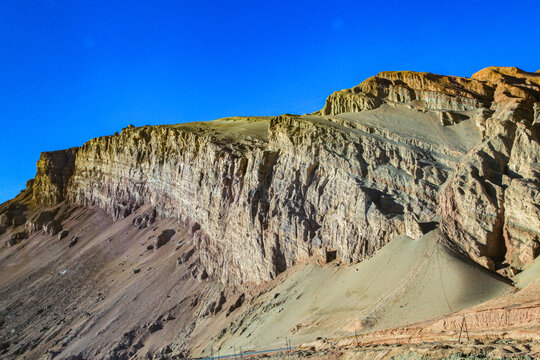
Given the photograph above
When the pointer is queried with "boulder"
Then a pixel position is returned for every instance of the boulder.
(143, 221)
(38, 221)
(74, 241)
(412, 227)
(236, 304)
(16, 238)
(164, 238)
(185, 257)
(155, 326)
(62, 234)
(52, 228)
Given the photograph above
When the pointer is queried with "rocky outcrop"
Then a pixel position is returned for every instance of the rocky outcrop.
(480, 207)
(13, 216)
(41, 220)
(393, 155)
(16, 238)
(522, 196)
(424, 91)
(480, 210)
(54, 169)
(266, 202)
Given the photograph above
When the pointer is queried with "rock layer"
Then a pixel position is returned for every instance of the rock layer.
(393, 155)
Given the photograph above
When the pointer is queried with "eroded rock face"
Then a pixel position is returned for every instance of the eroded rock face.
(424, 91)
(12, 217)
(490, 206)
(54, 169)
(522, 222)
(388, 157)
(258, 205)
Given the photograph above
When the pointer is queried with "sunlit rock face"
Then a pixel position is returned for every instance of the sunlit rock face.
(401, 153)
(479, 206)
(54, 169)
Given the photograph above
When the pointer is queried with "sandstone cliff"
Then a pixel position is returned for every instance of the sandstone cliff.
(489, 207)
(401, 153)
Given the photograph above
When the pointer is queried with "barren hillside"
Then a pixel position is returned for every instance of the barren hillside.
(403, 205)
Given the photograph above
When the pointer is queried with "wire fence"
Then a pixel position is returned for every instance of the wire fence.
(356, 341)
(246, 354)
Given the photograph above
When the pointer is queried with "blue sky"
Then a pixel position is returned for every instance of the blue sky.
(74, 70)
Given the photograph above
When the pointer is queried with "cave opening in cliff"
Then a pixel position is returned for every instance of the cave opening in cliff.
(331, 255)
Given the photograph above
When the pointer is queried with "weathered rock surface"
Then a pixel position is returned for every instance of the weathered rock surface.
(424, 91)
(275, 198)
(12, 216)
(479, 208)
(388, 157)
(54, 169)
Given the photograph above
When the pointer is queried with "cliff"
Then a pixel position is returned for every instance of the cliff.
(401, 153)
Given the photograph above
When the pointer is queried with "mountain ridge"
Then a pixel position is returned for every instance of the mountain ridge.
(449, 98)
(250, 199)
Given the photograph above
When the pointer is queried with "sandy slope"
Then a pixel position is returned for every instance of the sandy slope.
(530, 274)
(424, 127)
(405, 282)
(506, 327)
(87, 299)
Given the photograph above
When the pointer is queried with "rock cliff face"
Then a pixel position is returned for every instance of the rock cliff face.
(397, 154)
(480, 207)
(480, 211)
(54, 169)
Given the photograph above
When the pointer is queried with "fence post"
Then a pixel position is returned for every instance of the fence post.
(463, 325)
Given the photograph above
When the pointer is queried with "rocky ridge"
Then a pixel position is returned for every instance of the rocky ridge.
(399, 153)
(479, 211)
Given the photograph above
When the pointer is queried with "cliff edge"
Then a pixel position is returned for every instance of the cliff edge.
(394, 155)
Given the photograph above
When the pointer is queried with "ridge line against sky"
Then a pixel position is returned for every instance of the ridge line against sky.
(75, 70)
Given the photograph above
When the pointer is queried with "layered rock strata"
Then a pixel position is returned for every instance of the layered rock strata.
(394, 155)
(480, 210)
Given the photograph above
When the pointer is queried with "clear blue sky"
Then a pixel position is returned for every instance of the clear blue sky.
(71, 70)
